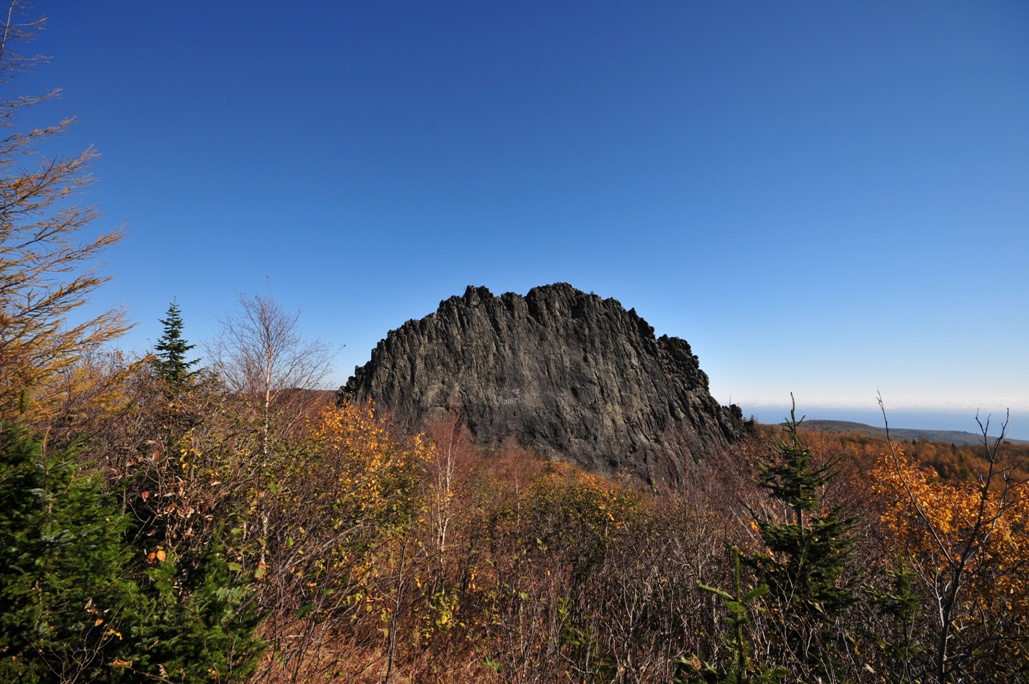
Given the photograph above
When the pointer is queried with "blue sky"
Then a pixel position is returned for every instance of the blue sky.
(825, 198)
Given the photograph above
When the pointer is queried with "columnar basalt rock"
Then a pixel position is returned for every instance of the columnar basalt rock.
(569, 374)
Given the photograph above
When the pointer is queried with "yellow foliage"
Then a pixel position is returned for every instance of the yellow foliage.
(351, 487)
(979, 526)
(48, 266)
(354, 448)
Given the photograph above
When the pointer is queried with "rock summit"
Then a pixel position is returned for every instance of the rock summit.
(569, 374)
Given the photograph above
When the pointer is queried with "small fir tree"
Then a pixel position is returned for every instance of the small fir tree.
(65, 594)
(202, 619)
(85, 595)
(809, 554)
(172, 365)
(738, 665)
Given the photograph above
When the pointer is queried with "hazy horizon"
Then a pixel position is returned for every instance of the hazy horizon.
(961, 420)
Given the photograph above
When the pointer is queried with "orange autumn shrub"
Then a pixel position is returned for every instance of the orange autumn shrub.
(968, 544)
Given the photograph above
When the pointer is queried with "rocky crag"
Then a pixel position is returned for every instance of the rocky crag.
(569, 374)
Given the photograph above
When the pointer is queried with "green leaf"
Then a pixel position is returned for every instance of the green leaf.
(755, 593)
(716, 591)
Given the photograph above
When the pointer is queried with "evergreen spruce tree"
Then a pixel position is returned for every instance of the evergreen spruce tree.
(807, 565)
(66, 599)
(172, 365)
(203, 620)
(82, 599)
(738, 665)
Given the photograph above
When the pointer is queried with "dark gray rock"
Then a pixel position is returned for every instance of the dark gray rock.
(570, 374)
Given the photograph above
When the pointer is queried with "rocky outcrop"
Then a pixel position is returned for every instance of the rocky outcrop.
(570, 374)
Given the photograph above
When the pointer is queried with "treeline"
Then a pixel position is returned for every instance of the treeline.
(192, 517)
(952, 463)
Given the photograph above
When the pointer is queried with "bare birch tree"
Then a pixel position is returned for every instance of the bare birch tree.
(262, 358)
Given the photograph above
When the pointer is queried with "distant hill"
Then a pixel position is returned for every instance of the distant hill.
(899, 434)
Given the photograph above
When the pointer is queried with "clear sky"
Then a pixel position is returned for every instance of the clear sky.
(828, 198)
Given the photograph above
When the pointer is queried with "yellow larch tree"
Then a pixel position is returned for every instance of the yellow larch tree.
(48, 264)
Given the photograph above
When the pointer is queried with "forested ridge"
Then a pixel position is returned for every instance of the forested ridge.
(196, 514)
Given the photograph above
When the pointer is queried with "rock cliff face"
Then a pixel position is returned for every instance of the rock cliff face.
(570, 374)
